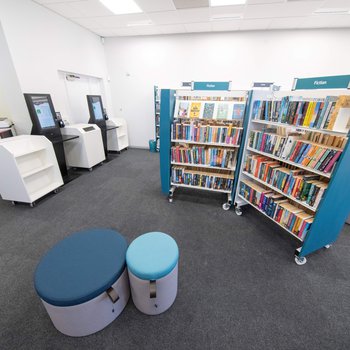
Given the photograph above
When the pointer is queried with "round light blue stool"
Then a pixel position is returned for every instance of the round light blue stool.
(152, 261)
(82, 281)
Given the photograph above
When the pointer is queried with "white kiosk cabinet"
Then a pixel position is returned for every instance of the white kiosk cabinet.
(117, 139)
(85, 151)
(29, 168)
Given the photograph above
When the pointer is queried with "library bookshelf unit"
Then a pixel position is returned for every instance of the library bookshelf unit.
(296, 161)
(157, 116)
(29, 169)
(201, 133)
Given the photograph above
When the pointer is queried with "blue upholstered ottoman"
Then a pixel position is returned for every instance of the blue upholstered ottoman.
(82, 281)
(152, 261)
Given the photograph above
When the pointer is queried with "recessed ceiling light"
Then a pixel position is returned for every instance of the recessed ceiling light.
(227, 2)
(121, 7)
(332, 11)
(226, 17)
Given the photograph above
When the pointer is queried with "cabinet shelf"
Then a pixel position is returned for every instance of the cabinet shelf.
(285, 125)
(28, 152)
(304, 204)
(327, 175)
(200, 188)
(260, 211)
(43, 191)
(203, 166)
(36, 170)
(205, 143)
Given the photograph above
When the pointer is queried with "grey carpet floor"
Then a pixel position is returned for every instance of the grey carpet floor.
(239, 287)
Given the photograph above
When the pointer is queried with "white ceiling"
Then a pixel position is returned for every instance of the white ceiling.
(189, 16)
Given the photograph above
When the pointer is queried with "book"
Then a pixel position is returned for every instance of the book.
(342, 111)
(238, 111)
(183, 109)
(208, 111)
(222, 111)
(195, 109)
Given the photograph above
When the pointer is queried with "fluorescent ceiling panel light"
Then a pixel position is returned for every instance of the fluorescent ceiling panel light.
(121, 7)
(331, 11)
(227, 2)
(226, 17)
(139, 23)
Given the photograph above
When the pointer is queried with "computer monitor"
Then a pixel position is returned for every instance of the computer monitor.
(42, 111)
(95, 108)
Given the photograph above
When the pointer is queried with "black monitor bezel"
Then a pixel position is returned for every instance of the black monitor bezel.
(93, 119)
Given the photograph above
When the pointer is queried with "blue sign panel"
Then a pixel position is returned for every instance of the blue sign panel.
(332, 82)
(211, 85)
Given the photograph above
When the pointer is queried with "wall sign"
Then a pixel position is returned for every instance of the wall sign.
(211, 85)
(331, 82)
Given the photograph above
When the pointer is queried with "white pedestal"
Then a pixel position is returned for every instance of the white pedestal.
(85, 151)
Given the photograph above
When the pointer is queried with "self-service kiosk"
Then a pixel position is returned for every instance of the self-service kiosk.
(43, 116)
(99, 117)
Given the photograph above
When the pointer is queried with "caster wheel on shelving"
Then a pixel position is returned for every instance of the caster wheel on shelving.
(238, 211)
(101, 163)
(300, 260)
(13, 203)
(56, 190)
(170, 199)
(226, 206)
(90, 169)
(327, 246)
(32, 205)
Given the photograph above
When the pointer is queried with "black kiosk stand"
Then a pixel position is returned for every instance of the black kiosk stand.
(98, 117)
(45, 123)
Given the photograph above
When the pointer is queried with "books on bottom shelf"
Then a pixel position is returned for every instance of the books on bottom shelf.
(210, 156)
(208, 180)
(296, 183)
(206, 133)
(297, 150)
(277, 207)
(330, 113)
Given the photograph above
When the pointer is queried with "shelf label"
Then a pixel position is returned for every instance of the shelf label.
(211, 85)
(331, 82)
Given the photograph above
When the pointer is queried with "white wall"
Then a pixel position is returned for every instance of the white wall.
(135, 64)
(11, 99)
(42, 42)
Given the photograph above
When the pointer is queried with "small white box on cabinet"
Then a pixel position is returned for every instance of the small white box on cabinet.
(29, 168)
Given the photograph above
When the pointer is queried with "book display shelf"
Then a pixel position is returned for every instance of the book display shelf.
(201, 132)
(296, 161)
(157, 116)
(29, 169)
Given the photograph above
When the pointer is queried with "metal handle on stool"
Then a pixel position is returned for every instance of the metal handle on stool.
(112, 294)
(152, 289)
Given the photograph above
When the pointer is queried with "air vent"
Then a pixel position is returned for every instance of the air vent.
(187, 4)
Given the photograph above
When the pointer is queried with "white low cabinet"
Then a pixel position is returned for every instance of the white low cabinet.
(29, 168)
(117, 139)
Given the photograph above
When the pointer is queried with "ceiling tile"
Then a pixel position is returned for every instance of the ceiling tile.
(336, 3)
(326, 21)
(254, 24)
(90, 23)
(223, 26)
(183, 4)
(156, 5)
(65, 10)
(119, 20)
(286, 23)
(166, 17)
(147, 30)
(222, 10)
(171, 29)
(91, 8)
(255, 2)
(289, 9)
(198, 27)
(52, 1)
(194, 15)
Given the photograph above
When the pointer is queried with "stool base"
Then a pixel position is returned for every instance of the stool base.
(166, 291)
(93, 315)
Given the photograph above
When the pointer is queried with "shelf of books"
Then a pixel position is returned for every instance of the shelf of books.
(157, 115)
(204, 134)
(295, 157)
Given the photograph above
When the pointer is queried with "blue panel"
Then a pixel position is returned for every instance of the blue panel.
(167, 106)
(211, 85)
(331, 82)
(333, 209)
(244, 136)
